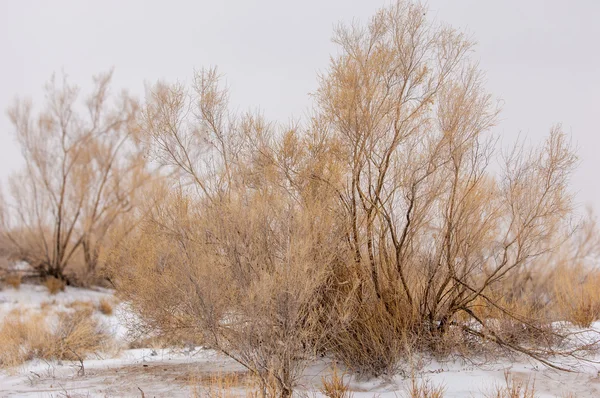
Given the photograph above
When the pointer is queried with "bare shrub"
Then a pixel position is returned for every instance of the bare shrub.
(433, 232)
(76, 335)
(376, 229)
(54, 285)
(84, 167)
(242, 255)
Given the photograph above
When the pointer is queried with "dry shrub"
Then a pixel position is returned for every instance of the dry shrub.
(78, 334)
(73, 336)
(14, 280)
(54, 285)
(577, 295)
(424, 389)
(243, 273)
(513, 388)
(335, 387)
(79, 180)
(105, 306)
(24, 338)
(376, 229)
(430, 227)
(517, 317)
(369, 339)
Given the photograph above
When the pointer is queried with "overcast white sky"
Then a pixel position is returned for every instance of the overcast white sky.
(542, 58)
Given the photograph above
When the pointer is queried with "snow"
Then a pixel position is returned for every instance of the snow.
(167, 372)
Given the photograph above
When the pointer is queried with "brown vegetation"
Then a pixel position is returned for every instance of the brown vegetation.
(27, 336)
(377, 229)
(105, 306)
(222, 385)
(334, 386)
(83, 170)
(14, 280)
(54, 285)
(513, 388)
(424, 389)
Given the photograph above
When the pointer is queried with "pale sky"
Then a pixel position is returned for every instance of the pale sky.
(542, 58)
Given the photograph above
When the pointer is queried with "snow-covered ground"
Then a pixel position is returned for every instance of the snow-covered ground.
(171, 373)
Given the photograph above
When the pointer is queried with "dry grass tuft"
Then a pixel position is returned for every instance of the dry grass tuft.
(23, 338)
(27, 336)
(578, 296)
(334, 386)
(54, 285)
(424, 389)
(105, 307)
(77, 335)
(222, 385)
(513, 388)
(14, 280)
(373, 340)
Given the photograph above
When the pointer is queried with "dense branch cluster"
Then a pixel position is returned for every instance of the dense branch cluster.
(379, 227)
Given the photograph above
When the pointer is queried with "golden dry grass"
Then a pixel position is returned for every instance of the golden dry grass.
(424, 389)
(105, 306)
(334, 386)
(577, 295)
(224, 385)
(14, 280)
(54, 285)
(26, 336)
(513, 388)
(77, 335)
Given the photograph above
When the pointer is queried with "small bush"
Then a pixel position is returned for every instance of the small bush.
(335, 387)
(54, 285)
(13, 280)
(578, 296)
(105, 307)
(424, 389)
(23, 338)
(78, 334)
(370, 339)
(28, 336)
